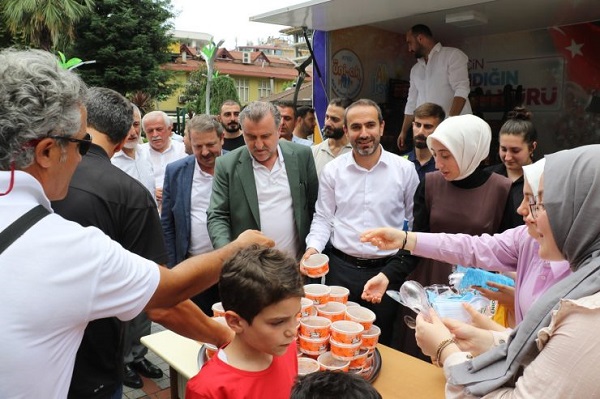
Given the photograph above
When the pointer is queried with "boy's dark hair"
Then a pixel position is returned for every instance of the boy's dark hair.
(257, 277)
(333, 385)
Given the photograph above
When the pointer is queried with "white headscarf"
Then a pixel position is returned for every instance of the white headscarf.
(533, 173)
(468, 139)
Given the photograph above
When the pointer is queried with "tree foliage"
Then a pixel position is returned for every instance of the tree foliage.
(129, 40)
(222, 88)
(44, 23)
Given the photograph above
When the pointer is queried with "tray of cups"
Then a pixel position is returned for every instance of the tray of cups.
(370, 369)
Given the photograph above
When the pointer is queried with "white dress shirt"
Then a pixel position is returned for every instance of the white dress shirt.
(353, 199)
(200, 197)
(160, 160)
(275, 205)
(444, 76)
(140, 168)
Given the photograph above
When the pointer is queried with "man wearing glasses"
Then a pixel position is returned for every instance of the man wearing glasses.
(56, 275)
(427, 117)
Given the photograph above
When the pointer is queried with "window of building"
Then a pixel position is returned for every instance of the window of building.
(242, 89)
(264, 88)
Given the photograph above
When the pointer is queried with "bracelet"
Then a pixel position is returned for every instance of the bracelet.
(440, 349)
(404, 241)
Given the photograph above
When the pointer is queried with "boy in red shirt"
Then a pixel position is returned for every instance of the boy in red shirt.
(260, 290)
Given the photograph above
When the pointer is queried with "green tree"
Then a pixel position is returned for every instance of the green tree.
(222, 88)
(44, 23)
(129, 40)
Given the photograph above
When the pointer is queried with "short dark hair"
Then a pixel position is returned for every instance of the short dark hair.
(228, 102)
(421, 29)
(363, 102)
(257, 277)
(430, 110)
(343, 102)
(301, 112)
(288, 104)
(109, 113)
(333, 385)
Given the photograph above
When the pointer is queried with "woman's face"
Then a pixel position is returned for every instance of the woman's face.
(548, 248)
(523, 210)
(444, 161)
(514, 152)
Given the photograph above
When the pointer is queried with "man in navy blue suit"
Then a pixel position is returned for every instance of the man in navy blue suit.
(186, 194)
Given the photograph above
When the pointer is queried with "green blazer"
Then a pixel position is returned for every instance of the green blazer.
(234, 202)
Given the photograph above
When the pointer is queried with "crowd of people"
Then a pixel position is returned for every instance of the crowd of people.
(100, 234)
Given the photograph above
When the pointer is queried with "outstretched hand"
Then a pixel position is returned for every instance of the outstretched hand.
(375, 288)
(384, 237)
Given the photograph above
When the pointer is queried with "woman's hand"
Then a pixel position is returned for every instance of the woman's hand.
(384, 237)
(469, 338)
(505, 294)
(429, 335)
(375, 288)
(482, 321)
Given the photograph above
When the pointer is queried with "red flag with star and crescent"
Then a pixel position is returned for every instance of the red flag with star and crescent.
(580, 45)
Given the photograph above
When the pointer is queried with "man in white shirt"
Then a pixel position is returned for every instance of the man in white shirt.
(362, 189)
(186, 194)
(269, 184)
(161, 148)
(58, 276)
(440, 76)
(336, 142)
(132, 160)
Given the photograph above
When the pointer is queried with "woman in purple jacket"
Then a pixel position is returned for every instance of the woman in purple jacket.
(514, 250)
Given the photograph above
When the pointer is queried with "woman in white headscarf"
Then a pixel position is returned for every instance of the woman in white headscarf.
(553, 353)
(460, 197)
(514, 250)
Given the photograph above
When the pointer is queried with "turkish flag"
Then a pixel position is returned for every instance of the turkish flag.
(580, 45)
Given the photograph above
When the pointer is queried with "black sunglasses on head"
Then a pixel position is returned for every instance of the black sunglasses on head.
(83, 144)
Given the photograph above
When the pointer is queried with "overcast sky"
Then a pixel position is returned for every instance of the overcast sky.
(228, 19)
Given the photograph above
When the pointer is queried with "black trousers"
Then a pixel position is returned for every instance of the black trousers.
(354, 278)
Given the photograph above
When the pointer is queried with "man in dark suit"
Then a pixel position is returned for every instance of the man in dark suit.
(270, 185)
(186, 193)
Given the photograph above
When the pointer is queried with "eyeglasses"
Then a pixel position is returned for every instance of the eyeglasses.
(83, 144)
(427, 126)
(535, 208)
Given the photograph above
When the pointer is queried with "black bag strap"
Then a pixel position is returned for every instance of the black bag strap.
(20, 226)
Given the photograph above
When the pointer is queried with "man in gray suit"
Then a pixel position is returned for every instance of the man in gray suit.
(269, 184)
(186, 193)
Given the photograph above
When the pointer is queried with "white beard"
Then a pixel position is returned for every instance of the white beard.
(131, 145)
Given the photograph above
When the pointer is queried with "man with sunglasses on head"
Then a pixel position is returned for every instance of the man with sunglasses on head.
(56, 275)
(427, 117)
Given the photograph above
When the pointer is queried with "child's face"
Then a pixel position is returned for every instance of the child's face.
(274, 328)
